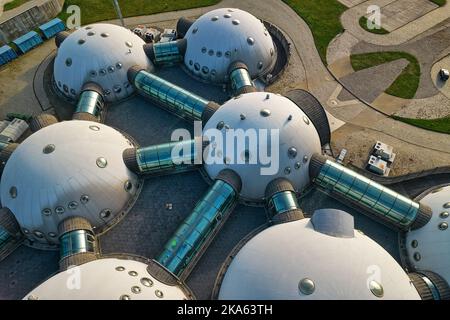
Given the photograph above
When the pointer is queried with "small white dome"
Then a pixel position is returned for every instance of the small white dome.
(429, 247)
(223, 36)
(106, 279)
(101, 53)
(298, 141)
(293, 261)
(71, 168)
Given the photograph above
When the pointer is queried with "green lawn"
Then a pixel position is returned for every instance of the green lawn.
(439, 125)
(406, 84)
(322, 17)
(439, 2)
(363, 24)
(99, 10)
(14, 4)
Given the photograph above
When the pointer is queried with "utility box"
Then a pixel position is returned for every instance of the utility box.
(152, 35)
(384, 151)
(168, 35)
(15, 129)
(341, 157)
(28, 41)
(7, 54)
(378, 166)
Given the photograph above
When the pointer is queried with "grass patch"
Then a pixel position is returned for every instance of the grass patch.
(99, 10)
(406, 84)
(440, 3)
(322, 17)
(14, 4)
(439, 125)
(363, 24)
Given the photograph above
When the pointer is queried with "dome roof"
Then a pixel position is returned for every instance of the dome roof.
(298, 141)
(223, 36)
(71, 168)
(106, 279)
(428, 248)
(101, 53)
(294, 261)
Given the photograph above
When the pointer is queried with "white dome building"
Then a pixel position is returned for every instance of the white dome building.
(315, 259)
(254, 113)
(100, 53)
(223, 36)
(71, 168)
(107, 279)
(428, 248)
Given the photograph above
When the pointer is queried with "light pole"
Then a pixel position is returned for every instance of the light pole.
(119, 12)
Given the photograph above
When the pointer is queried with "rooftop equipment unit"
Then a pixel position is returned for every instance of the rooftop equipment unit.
(378, 166)
(384, 151)
(14, 130)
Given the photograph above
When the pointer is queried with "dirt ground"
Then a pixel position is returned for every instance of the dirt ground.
(410, 158)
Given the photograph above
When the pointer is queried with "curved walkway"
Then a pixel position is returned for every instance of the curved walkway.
(350, 22)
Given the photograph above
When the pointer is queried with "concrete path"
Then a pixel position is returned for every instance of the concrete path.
(350, 22)
(2, 3)
(14, 12)
(369, 83)
(318, 79)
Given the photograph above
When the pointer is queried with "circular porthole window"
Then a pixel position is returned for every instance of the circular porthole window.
(13, 192)
(105, 214)
(117, 89)
(68, 62)
(60, 210)
(84, 199)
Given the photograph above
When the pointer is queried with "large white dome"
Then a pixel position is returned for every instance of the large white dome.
(293, 261)
(223, 36)
(72, 168)
(298, 141)
(428, 248)
(106, 279)
(101, 53)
